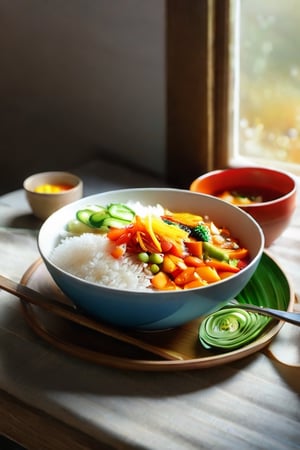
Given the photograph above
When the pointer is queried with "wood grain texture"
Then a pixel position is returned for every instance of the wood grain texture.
(35, 430)
(197, 77)
(88, 344)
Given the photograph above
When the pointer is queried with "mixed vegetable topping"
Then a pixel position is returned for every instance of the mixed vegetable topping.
(179, 250)
(239, 198)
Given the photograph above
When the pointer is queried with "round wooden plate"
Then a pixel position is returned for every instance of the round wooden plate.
(268, 287)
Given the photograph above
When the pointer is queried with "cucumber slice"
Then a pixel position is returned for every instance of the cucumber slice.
(120, 211)
(77, 227)
(115, 215)
(97, 218)
(113, 222)
(96, 208)
(83, 215)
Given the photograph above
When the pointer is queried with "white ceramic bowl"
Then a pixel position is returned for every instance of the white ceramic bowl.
(154, 310)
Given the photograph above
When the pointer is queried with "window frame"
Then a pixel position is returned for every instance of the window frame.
(197, 86)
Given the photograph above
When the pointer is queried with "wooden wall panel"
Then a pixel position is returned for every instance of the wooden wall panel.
(197, 43)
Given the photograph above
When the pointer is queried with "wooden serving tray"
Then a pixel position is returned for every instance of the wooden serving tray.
(93, 346)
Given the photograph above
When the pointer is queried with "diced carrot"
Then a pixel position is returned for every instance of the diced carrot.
(124, 238)
(168, 265)
(162, 281)
(177, 249)
(195, 248)
(239, 253)
(114, 233)
(166, 246)
(208, 274)
(193, 261)
(221, 265)
(176, 273)
(121, 235)
(178, 261)
(195, 284)
(187, 275)
(224, 274)
(242, 263)
(118, 251)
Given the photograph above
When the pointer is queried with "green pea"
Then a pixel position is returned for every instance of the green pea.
(143, 257)
(156, 258)
(154, 268)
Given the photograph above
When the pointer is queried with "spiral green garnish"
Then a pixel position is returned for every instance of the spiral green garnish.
(231, 328)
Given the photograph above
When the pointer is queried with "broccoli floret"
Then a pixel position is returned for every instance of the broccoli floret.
(201, 232)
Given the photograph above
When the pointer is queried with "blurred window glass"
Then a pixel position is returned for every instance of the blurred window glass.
(266, 83)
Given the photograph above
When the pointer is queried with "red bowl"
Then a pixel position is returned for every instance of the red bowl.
(276, 188)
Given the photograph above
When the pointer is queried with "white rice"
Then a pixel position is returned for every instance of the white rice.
(87, 256)
(143, 211)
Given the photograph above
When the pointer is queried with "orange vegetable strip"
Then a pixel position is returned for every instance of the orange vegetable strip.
(140, 241)
(239, 253)
(221, 265)
(188, 219)
(174, 236)
(167, 231)
(124, 238)
(146, 242)
(148, 225)
(114, 233)
(193, 261)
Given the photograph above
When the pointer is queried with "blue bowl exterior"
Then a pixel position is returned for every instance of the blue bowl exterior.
(151, 310)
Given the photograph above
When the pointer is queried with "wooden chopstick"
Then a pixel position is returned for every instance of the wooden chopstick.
(70, 313)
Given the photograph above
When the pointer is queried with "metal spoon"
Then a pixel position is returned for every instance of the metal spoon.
(290, 317)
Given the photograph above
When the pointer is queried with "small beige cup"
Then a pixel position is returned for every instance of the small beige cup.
(44, 204)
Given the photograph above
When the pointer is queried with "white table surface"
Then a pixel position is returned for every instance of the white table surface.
(252, 403)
